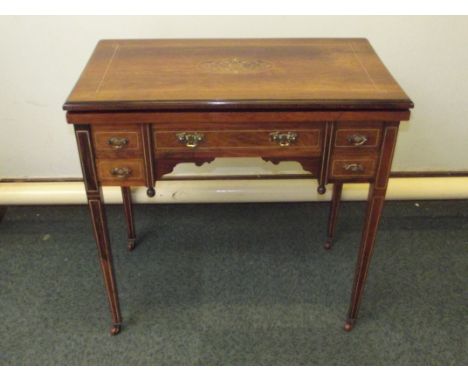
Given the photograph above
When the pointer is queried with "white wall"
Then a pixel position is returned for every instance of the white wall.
(41, 58)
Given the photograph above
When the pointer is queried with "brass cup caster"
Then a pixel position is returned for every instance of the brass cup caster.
(131, 244)
(349, 324)
(115, 329)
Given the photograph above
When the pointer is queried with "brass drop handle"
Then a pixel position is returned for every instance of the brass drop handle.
(117, 142)
(190, 139)
(354, 167)
(121, 172)
(357, 139)
(283, 139)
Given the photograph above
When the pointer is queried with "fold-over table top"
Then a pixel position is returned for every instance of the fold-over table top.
(215, 74)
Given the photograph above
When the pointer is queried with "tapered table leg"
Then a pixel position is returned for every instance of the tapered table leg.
(98, 218)
(128, 209)
(372, 219)
(375, 204)
(335, 205)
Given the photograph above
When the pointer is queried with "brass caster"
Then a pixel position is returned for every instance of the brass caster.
(115, 329)
(150, 192)
(328, 244)
(131, 244)
(349, 324)
(321, 189)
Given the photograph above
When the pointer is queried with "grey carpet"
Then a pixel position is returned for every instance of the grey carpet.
(235, 284)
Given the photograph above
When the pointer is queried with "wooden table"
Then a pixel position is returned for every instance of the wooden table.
(142, 106)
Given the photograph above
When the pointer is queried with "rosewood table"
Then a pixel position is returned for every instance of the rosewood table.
(142, 106)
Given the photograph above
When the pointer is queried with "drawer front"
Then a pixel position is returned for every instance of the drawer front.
(358, 135)
(112, 141)
(129, 172)
(346, 167)
(284, 139)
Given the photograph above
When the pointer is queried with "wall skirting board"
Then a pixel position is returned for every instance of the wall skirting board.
(404, 186)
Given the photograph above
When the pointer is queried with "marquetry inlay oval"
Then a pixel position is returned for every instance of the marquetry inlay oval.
(235, 65)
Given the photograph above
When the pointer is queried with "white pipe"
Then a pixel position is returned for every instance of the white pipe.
(230, 191)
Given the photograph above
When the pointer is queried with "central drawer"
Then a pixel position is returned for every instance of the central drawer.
(239, 139)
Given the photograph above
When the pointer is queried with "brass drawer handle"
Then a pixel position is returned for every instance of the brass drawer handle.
(117, 142)
(121, 172)
(283, 139)
(354, 167)
(190, 139)
(357, 139)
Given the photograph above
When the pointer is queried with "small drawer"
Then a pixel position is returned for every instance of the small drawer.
(121, 171)
(118, 140)
(353, 167)
(358, 136)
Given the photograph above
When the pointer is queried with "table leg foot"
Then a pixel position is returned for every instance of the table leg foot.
(349, 324)
(328, 243)
(115, 329)
(131, 244)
